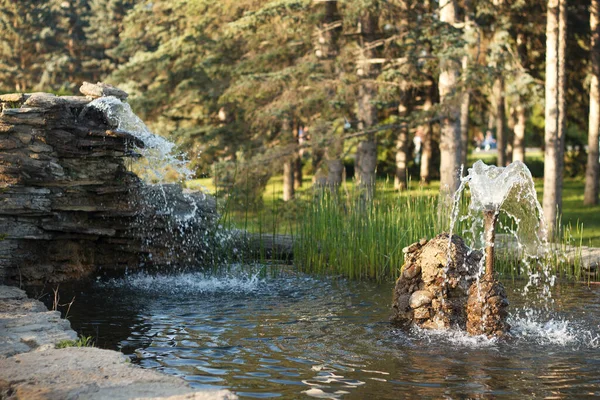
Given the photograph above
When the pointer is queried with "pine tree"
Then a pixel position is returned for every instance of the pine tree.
(27, 42)
(104, 25)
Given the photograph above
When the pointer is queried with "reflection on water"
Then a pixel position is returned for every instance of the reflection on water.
(296, 337)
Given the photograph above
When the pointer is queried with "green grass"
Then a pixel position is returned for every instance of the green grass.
(82, 341)
(574, 213)
(338, 237)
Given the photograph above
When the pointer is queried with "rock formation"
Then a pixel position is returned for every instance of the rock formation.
(68, 204)
(438, 289)
(487, 309)
(433, 287)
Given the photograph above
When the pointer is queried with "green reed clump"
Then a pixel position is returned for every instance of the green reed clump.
(82, 341)
(563, 257)
(343, 235)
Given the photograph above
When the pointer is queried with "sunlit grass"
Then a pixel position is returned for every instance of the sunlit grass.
(335, 236)
(340, 235)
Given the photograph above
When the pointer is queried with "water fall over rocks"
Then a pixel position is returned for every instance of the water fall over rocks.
(69, 205)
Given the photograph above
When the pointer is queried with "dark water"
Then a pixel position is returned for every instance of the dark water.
(294, 337)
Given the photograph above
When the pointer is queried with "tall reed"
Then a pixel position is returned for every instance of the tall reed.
(342, 235)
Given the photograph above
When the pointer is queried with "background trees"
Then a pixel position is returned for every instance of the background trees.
(369, 87)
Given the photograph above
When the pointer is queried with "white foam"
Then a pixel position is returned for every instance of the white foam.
(454, 337)
(190, 283)
(536, 326)
(510, 189)
(161, 153)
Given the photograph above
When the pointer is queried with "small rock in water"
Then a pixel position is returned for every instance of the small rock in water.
(436, 288)
(487, 309)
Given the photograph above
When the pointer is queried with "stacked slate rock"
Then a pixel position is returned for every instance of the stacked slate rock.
(433, 287)
(69, 207)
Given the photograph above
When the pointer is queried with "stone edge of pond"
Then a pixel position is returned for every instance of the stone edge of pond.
(31, 366)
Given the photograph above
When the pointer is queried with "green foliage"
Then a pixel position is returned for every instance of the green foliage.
(82, 341)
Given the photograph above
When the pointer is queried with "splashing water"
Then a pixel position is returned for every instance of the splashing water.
(189, 283)
(177, 226)
(511, 190)
(161, 154)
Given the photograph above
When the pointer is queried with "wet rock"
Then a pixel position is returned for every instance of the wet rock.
(422, 313)
(412, 248)
(70, 208)
(435, 280)
(102, 89)
(411, 271)
(487, 309)
(420, 298)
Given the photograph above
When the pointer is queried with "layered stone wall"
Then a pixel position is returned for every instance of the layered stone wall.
(69, 207)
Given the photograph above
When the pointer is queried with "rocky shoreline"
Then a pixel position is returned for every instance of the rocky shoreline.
(32, 368)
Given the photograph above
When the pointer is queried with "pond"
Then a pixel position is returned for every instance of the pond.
(294, 336)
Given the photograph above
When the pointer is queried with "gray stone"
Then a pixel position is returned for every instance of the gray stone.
(44, 100)
(69, 206)
(420, 298)
(102, 89)
(31, 367)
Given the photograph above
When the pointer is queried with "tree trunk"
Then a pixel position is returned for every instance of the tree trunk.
(518, 151)
(562, 100)
(288, 163)
(450, 153)
(367, 112)
(510, 126)
(297, 172)
(466, 95)
(288, 180)
(297, 160)
(553, 135)
(465, 103)
(327, 51)
(590, 195)
(500, 120)
(519, 130)
(425, 131)
(335, 166)
(401, 159)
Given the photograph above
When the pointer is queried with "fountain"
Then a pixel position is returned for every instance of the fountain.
(446, 284)
(70, 207)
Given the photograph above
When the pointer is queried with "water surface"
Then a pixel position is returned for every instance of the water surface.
(295, 336)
